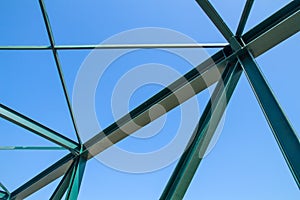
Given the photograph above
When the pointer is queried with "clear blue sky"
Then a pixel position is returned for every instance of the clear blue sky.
(246, 162)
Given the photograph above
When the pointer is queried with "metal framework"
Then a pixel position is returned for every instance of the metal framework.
(236, 57)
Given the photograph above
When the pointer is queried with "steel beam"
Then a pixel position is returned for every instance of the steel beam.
(244, 17)
(283, 131)
(58, 66)
(30, 148)
(275, 29)
(118, 46)
(63, 184)
(195, 151)
(215, 18)
(4, 188)
(220, 57)
(37, 128)
(44, 178)
(59, 168)
(76, 179)
(186, 87)
(3, 195)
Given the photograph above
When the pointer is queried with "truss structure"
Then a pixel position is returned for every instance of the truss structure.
(236, 57)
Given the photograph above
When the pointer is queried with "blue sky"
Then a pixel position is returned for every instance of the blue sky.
(246, 162)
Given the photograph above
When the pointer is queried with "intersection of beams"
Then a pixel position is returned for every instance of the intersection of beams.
(278, 27)
(37, 128)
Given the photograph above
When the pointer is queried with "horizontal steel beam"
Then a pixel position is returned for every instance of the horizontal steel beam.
(30, 148)
(95, 143)
(118, 46)
(37, 128)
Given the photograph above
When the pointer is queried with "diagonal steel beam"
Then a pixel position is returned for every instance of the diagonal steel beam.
(283, 131)
(59, 168)
(58, 66)
(244, 17)
(212, 114)
(4, 195)
(274, 35)
(45, 177)
(76, 179)
(186, 87)
(254, 34)
(215, 18)
(4, 188)
(37, 128)
(63, 184)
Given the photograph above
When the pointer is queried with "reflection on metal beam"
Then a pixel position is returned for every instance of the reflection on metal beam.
(244, 18)
(283, 131)
(58, 66)
(119, 46)
(37, 128)
(191, 158)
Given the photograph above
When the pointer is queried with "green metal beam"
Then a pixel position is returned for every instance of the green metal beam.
(3, 195)
(37, 128)
(186, 87)
(45, 177)
(59, 169)
(4, 188)
(117, 46)
(58, 66)
(275, 34)
(283, 131)
(244, 17)
(63, 184)
(218, 22)
(30, 148)
(76, 179)
(195, 151)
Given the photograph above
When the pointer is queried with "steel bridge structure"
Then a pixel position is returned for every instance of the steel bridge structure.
(235, 58)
